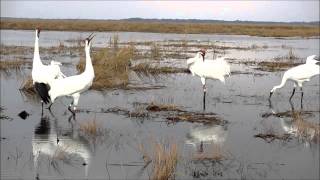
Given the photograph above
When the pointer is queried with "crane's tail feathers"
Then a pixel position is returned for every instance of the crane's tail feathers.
(42, 90)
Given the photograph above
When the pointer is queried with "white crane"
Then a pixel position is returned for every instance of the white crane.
(73, 85)
(208, 69)
(300, 74)
(42, 74)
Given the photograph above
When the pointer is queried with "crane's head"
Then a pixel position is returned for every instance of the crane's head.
(202, 53)
(38, 31)
(88, 39)
(313, 59)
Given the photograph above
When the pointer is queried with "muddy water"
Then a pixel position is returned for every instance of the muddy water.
(113, 153)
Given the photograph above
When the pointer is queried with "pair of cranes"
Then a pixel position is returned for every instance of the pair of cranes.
(50, 82)
(219, 68)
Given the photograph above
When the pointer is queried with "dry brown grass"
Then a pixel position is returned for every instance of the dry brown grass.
(164, 161)
(205, 118)
(90, 128)
(27, 86)
(14, 64)
(274, 30)
(275, 66)
(111, 66)
(304, 129)
(162, 107)
(147, 69)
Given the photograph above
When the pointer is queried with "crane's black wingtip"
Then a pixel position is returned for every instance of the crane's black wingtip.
(43, 91)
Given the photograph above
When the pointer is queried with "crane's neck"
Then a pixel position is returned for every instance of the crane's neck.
(89, 67)
(36, 55)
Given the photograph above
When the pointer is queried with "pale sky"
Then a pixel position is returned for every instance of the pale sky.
(278, 11)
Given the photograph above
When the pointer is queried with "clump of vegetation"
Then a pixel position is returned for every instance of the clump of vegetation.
(155, 51)
(15, 64)
(111, 66)
(164, 161)
(27, 86)
(304, 129)
(147, 69)
(205, 118)
(290, 56)
(269, 137)
(275, 66)
(90, 128)
(162, 107)
(3, 116)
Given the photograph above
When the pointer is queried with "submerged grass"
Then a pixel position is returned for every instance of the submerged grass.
(271, 30)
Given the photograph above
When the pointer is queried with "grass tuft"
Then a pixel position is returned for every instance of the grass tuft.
(164, 160)
(111, 66)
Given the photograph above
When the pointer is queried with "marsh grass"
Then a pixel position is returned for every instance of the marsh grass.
(147, 69)
(13, 65)
(155, 107)
(269, 137)
(2, 115)
(91, 128)
(164, 161)
(155, 51)
(27, 86)
(269, 30)
(111, 66)
(205, 118)
(305, 130)
(275, 66)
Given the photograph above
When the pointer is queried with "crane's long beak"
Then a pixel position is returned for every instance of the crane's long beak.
(90, 37)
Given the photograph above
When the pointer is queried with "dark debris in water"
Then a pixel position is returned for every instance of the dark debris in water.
(23, 114)
(269, 137)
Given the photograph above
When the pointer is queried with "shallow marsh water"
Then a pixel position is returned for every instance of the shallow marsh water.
(114, 153)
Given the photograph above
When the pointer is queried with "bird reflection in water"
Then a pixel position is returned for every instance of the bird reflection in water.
(294, 123)
(69, 149)
(198, 136)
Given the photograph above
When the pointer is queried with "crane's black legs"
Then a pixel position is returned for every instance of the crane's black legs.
(41, 108)
(73, 113)
(301, 105)
(204, 100)
(294, 90)
(50, 107)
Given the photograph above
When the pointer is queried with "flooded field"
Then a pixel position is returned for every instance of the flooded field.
(166, 124)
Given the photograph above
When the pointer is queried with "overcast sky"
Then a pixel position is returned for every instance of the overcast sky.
(284, 11)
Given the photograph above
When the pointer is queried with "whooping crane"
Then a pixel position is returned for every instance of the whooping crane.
(208, 69)
(300, 74)
(73, 85)
(42, 74)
